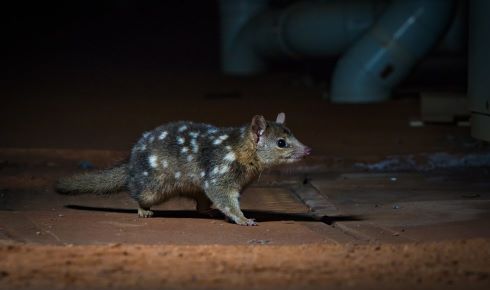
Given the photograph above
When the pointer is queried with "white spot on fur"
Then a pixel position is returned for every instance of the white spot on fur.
(194, 134)
(213, 181)
(203, 173)
(189, 158)
(212, 131)
(184, 149)
(180, 140)
(182, 128)
(141, 147)
(177, 174)
(227, 209)
(224, 169)
(165, 163)
(230, 157)
(163, 135)
(146, 134)
(194, 145)
(153, 161)
(151, 139)
(206, 184)
(215, 170)
(145, 173)
(228, 147)
(220, 139)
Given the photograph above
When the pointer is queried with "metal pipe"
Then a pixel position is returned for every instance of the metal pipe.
(306, 28)
(384, 56)
(385, 41)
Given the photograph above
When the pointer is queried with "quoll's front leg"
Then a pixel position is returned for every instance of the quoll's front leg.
(226, 201)
(203, 206)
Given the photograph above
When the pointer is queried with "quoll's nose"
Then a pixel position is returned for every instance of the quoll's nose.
(307, 150)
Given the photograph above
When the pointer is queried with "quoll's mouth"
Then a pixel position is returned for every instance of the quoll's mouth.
(307, 151)
(299, 155)
(292, 158)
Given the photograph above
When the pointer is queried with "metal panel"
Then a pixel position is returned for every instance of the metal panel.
(479, 68)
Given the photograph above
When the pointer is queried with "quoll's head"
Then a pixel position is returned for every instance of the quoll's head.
(275, 144)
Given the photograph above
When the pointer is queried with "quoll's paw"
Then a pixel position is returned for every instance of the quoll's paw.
(247, 222)
(143, 213)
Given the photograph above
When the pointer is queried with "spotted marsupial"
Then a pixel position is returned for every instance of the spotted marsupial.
(209, 164)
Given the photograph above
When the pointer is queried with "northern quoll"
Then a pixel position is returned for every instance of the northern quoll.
(200, 161)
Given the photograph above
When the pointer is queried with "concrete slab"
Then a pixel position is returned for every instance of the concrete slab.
(403, 207)
(76, 227)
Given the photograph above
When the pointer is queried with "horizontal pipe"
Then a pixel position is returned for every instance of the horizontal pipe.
(311, 29)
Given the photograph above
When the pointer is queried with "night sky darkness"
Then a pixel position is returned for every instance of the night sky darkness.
(77, 37)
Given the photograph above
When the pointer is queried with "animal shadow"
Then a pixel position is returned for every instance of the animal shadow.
(258, 215)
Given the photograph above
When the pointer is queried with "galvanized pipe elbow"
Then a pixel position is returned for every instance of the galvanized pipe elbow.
(385, 54)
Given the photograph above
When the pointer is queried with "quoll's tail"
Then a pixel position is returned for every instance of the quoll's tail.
(102, 181)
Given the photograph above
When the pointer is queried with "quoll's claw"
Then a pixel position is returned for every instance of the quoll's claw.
(249, 222)
(144, 213)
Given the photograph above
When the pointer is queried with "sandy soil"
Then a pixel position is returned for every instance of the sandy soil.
(460, 264)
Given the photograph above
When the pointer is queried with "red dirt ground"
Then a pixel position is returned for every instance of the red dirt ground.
(453, 265)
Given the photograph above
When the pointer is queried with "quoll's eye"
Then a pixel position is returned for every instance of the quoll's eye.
(281, 143)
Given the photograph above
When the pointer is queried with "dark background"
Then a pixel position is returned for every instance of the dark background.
(96, 74)
(65, 40)
(69, 38)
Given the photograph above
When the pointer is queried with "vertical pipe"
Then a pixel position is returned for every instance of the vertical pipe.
(235, 15)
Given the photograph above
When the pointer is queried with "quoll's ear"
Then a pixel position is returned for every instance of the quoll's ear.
(258, 127)
(281, 118)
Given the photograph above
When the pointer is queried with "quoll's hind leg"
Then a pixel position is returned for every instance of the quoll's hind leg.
(144, 212)
(226, 201)
(143, 197)
(146, 199)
